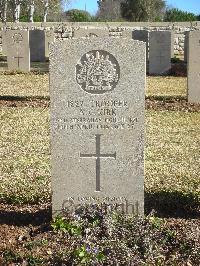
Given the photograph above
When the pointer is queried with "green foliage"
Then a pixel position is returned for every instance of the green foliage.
(25, 18)
(177, 15)
(10, 256)
(76, 15)
(61, 224)
(143, 10)
(86, 255)
(33, 261)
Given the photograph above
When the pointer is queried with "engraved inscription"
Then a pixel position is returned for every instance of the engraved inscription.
(97, 114)
(98, 155)
(17, 37)
(97, 72)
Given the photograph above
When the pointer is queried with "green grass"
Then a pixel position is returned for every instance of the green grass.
(172, 159)
(166, 86)
(26, 85)
(25, 155)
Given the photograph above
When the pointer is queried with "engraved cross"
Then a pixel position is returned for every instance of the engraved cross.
(18, 58)
(98, 155)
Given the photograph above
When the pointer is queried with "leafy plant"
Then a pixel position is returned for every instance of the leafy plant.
(61, 224)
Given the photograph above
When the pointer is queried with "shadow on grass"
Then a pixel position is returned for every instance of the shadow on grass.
(166, 98)
(31, 98)
(23, 98)
(165, 205)
(172, 205)
(25, 217)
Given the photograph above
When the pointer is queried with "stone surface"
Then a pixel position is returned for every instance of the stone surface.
(37, 45)
(159, 52)
(186, 44)
(142, 35)
(172, 43)
(97, 123)
(18, 52)
(90, 33)
(49, 38)
(194, 67)
(4, 46)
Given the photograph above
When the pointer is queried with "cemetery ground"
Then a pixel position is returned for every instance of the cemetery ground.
(170, 232)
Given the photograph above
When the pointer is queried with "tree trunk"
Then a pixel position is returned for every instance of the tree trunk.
(46, 7)
(17, 11)
(32, 10)
(5, 11)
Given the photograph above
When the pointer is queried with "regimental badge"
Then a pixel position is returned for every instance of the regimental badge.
(17, 37)
(97, 72)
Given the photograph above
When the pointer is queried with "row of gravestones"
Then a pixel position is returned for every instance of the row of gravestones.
(22, 47)
(25, 46)
(159, 46)
(97, 92)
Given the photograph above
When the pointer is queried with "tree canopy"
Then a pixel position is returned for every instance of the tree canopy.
(178, 15)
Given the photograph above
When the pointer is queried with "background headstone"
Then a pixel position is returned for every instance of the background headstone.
(159, 52)
(142, 35)
(37, 45)
(90, 33)
(49, 38)
(194, 67)
(4, 45)
(172, 43)
(97, 109)
(186, 44)
(18, 52)
(0, 41)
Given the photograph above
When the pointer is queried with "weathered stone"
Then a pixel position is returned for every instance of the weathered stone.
(90, 33)
(49, 38)
(18, 52)
(194, 67)
(186, 44)
(97, 110)
(172, 43)
(37, 45)
(4, 45)
(142, 35)
(159, 52)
